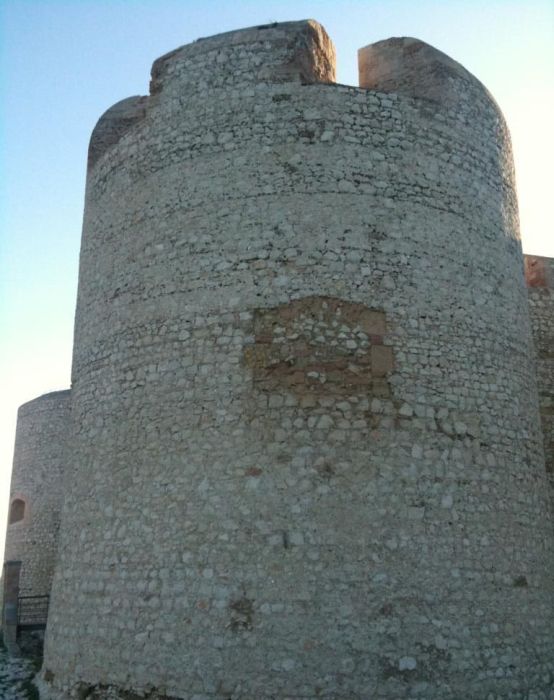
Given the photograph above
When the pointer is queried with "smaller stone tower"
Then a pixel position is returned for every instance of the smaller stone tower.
(36, 496)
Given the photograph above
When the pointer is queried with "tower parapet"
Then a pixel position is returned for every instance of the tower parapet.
(298, 52)
(408, 66)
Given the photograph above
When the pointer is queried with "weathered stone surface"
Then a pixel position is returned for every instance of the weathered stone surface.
(317, 346)
(539, 274)
(236, 527)
(278, 52)
(408, 66)
(37, 482)
(113, 124)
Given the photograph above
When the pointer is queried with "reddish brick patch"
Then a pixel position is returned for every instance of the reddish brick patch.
(538, 271)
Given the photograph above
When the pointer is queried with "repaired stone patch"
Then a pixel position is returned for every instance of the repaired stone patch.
(320, 345)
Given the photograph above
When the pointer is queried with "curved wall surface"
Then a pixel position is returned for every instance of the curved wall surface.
(304, 404)
(36, 492)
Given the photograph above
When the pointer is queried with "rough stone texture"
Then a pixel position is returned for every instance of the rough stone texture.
(236, 527)
(37, 475)
(408, 66)
(15, 677)
(539, 273)
(117, 120)
(280, 52)
(319, 345)
(10, 596)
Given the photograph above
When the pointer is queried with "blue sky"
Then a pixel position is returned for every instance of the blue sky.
(62, 63)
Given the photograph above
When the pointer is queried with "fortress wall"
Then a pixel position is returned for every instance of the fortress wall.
(304, 399)
(38, 467)
(539, 273)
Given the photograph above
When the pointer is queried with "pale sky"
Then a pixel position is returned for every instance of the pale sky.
(63, 63)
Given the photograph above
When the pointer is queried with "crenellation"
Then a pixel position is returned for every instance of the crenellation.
(273, 53)
(408, 66)
(115, 122)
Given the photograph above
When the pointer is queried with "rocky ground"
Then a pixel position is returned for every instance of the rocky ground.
(15, 678)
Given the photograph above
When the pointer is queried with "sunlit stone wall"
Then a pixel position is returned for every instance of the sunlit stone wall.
(307, 453)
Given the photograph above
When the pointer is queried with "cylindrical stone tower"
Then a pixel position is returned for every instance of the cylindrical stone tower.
(306, 454)
(36, 493)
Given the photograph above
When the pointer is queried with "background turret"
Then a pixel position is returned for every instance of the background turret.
(36, 497)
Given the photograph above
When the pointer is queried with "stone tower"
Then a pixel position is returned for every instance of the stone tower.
(307, 459)
(36, 496)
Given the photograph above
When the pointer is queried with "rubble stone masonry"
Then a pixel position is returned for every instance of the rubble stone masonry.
(306, 458)
(36, 492)
(539, 273)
